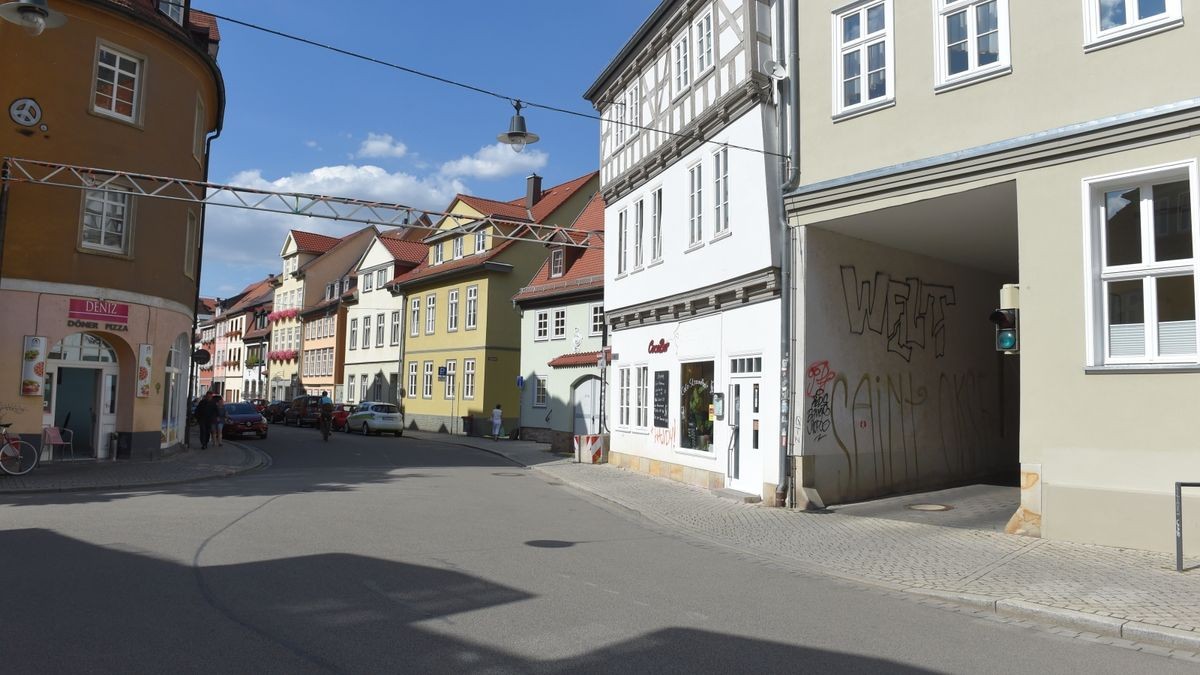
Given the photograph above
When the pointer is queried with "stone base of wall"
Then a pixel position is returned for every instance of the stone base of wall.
(676, 472)
(469, 426)
(560, 441)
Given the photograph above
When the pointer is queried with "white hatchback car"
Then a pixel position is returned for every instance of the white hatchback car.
(371, 417)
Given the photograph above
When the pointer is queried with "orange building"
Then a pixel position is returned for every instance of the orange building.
(99, 286)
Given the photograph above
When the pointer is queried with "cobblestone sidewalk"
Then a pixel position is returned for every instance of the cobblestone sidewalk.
(182, 467)
(1130, 594)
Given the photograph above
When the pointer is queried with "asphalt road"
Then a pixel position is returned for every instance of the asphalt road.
(372, 555)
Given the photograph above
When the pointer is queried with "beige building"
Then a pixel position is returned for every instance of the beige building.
(949, 148)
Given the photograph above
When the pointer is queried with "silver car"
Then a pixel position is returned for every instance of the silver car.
(372, 417)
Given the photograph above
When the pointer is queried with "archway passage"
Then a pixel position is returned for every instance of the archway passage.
(82, 375)
(585, 395)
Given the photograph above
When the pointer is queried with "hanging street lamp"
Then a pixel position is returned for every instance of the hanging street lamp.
(517, 135)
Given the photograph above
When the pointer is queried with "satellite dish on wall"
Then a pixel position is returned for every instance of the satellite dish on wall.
(775, 70)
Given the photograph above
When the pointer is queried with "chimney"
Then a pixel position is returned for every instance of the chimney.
(533, 190)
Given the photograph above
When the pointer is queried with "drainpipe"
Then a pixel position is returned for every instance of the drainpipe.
(789, 143)
(4, 175)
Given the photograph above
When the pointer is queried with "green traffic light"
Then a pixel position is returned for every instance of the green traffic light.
(1006, 339)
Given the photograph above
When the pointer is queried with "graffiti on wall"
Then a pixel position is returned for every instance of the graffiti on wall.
(663, 436)
(818, 419)
(910, 313)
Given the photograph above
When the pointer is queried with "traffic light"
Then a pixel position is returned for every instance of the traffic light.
(1007, 338)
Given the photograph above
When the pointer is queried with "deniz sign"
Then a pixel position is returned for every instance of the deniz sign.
(660, 348)
(84, 313)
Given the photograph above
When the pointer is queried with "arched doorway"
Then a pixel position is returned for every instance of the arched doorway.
(585, 400)
(174, 403)
(82, 373)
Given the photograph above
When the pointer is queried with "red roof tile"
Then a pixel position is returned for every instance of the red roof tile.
(404, 251)
(584, 268)
(574, 360)
(311, 242)
(206, 22)
(490, 207)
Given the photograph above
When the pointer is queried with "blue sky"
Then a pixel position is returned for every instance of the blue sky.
(309, 120)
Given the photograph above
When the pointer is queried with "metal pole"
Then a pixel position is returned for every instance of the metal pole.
(1178, 527)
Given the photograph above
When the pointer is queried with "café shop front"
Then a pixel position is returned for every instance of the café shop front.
(110, 370)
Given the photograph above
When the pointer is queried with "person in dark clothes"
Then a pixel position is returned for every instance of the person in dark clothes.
(206, 412)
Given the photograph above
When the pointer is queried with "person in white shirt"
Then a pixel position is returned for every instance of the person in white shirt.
(497, 420)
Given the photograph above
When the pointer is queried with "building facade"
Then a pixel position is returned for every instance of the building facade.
(100, 286)
(944, 155)
(691, 183)
(563, 337)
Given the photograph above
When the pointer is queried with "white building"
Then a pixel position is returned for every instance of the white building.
(375, 338)
(692, 280)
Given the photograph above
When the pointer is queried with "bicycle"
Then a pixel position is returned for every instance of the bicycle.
(17, 457)
(326, 421)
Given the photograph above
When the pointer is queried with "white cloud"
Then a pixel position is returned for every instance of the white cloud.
(381, 145)
(313, 144)
(495, 161)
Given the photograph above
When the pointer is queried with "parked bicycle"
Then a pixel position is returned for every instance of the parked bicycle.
(17, 457)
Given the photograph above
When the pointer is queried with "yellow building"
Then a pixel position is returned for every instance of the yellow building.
(99, 286)
(462, 348)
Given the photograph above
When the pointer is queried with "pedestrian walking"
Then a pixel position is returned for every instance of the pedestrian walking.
(218, 419)
(497, 421)
(205, 410)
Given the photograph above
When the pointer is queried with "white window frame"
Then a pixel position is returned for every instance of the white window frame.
(380, 278)
(452, 311)
(541, 325)
(860, 45)
(430, 314)
(559, 324)
(592, 312)
(412, 379)
(695, 204)
(439, 253)
(681, 64)
(427, 380)
(364, 384)
(380, 327)
(349, 389)
(472, 307)
(642, 397)
(468, 379)
(110, 196)
(702, 31)
(619, 126)
(366, 334)
(639, 220)
(623, 397)
(173, 9)
(633, 103)
(451, 371)
(942, 10)
(539, 391)
(1096, 38)
(622, 241)
(481, 241)
(720, 191)
(138, 81)
(458, 248)
(368, 281)
(1097, 272)
(395, 328)
(557, 266)
(414, 319)
(656, 247)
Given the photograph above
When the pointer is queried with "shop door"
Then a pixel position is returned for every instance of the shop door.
(587, 406)
(745, 454)
(75, 408)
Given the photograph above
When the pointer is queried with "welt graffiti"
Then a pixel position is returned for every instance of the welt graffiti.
(911, 313)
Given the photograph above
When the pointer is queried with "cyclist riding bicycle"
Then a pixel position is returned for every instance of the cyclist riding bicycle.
(326, 415)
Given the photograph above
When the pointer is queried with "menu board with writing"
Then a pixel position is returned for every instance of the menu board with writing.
(662, 396)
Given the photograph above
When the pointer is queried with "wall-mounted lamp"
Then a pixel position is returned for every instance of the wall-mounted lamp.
(517, 136)
(34, 16)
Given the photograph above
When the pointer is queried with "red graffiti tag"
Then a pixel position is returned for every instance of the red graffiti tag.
(819, 374)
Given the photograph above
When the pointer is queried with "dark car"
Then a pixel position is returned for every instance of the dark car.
(304, 411)
(341, 413)
(274, 411)
(260, 404)
(241, 418)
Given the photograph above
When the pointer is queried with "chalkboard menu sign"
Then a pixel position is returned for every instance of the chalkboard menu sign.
(662, 394)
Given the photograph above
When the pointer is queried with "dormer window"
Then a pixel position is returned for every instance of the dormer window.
(556, 262)
(173, 9)
(330, 289)
(366, 281)
(439, 255)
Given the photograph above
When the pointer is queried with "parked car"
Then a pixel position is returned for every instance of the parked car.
(241, 418)
(341, 415)
(372, 417)
(275, 409)
(304, 411)
(260, 404)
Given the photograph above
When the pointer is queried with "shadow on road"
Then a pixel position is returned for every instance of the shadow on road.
(112, 609)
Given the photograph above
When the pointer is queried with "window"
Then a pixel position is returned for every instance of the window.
(118, 84)
(452, 310)
(366, 281)
(439, 254)
(556, 262)
(679, 53)
(199, 131)
(366, 342)
(412, 379)
(696, 205)
(1115, 21)
(721, 190)
(481, 241)
(622, 241)
(451, 370)
(656, 225)
(1143, 267)
(458, 248)
(350, 389)
(633, 106)
(380, 278)
(469, 378)
(173, 9)
(362, 387)
(395, 328)
(623, 400)
(704, 43)
(638, 224)
(695, 428)
(190, 245)
(542, 323)
(972, 39)
(539, 392)
(597, 320)
(560, 324)
(430, 314)
(863, 53)
(746, 364)
(106, 221)
(643, 396)
(427, 390)
(379, 328)
(619, 123)
(414, 319)
(472, 306)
